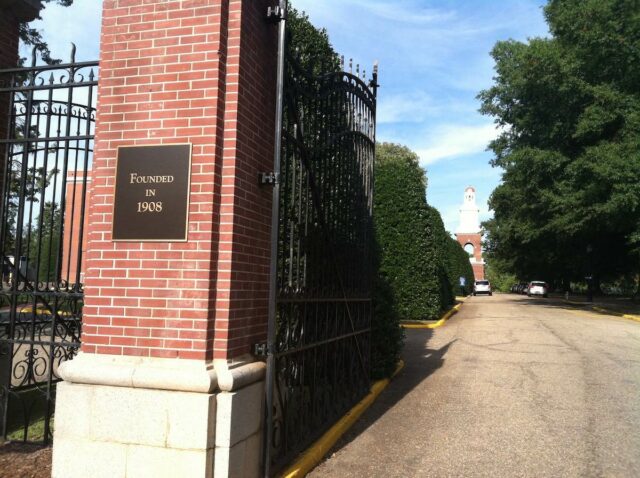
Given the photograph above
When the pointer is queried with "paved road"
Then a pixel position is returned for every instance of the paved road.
(510, 387)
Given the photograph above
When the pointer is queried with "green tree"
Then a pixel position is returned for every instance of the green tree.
(42, 241)
(500, 280)
(311, 45)
(569, 106)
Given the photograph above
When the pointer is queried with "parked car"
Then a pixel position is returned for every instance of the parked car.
(482, 287)
(519, 287)
(538, 288)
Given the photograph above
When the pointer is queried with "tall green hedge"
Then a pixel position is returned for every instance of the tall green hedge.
(445, 271)
(408, 253)
(419, 264)
(459, 266)
(386, 335)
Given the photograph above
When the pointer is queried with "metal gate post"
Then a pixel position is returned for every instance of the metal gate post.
(280, 15)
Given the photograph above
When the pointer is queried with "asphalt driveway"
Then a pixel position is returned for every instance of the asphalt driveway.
(510, 387)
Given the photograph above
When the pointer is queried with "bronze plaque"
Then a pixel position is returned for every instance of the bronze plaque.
(152, 193)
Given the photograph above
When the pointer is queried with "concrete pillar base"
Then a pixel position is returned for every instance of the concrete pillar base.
(157, 417)
(115, 432)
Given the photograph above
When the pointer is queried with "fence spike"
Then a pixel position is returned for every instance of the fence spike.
(73, 52)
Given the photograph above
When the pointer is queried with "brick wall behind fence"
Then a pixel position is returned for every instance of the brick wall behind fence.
(189, 71)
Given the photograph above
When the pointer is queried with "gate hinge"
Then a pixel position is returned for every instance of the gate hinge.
(276, 14)
(261, 349)
(268, 178)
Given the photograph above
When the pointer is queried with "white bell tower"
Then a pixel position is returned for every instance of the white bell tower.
(469, 234)
(469, 213)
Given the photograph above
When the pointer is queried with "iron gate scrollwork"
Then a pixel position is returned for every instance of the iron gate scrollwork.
(47, 149)
(318, 364)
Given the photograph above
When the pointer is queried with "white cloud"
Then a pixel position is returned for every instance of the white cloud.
(403, 12)
(452, 140)
(413, 107)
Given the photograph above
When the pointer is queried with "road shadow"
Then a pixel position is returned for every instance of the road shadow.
(420, 362)
(610, 308)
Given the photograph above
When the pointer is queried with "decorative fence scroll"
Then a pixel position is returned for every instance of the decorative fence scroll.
(46, 151)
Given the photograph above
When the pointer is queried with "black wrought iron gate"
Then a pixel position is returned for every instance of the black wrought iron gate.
(46, 150)
(318, 351)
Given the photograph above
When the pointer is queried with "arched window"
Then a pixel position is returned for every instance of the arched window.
(468, 247)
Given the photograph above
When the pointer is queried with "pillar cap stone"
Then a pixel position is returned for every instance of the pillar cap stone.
(162, 373)
(238, 373)
(24, 10)
(140, 372)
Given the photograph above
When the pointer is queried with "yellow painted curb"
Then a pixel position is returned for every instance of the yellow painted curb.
(310, 458)
(618, 314)
(439, 323)
(607, 311)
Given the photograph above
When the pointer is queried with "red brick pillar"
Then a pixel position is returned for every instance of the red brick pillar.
(168, 326)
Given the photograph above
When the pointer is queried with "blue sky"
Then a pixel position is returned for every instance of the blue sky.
(434, 59)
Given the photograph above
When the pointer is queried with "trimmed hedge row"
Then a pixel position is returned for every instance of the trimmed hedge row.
(419, 264)
(408, 259)
(459, 266)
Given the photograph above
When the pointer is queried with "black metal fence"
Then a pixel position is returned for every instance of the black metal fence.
(319, 363)
(46, 154)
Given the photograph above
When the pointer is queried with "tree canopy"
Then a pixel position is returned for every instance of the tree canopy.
(31, 36)
(569, 109)
(310, 44)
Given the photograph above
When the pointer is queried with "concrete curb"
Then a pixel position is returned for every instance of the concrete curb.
(316, 452)
(447, 315)
(606, 311)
